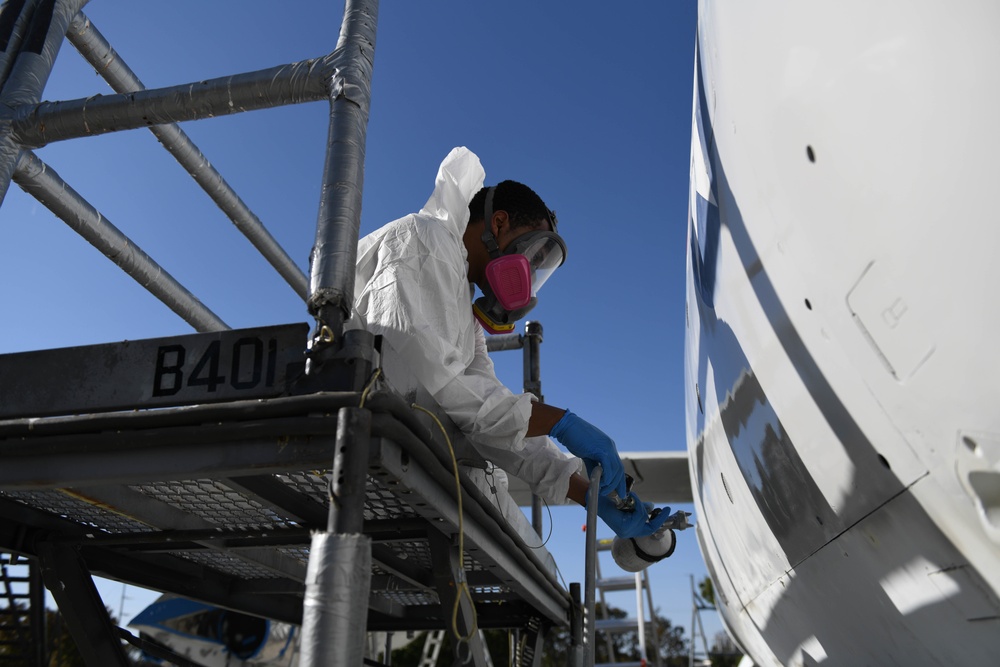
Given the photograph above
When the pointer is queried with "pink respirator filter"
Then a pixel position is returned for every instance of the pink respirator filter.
(510, 279)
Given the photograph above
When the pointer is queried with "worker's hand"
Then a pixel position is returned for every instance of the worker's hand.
(637, 523)
(591, 444)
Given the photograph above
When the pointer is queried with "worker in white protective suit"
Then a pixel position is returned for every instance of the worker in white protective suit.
(414, 287)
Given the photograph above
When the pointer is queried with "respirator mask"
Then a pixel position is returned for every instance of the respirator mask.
(514, 277)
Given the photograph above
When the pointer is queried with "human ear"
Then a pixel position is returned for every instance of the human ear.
(499, 221)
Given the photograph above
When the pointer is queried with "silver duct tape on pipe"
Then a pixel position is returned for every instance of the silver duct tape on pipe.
(9, 150)
(19, 26)
(501, 342)
(38, 50)
(337, 587)
(36, 53)
(335, 251)
(37, 125)
(45, 185)
(98, 51)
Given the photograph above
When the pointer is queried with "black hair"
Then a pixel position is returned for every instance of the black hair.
(524, 207)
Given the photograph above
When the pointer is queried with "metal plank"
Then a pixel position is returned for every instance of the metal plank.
(157, 372)
(162, 515)
(125, 458)
(269, 490)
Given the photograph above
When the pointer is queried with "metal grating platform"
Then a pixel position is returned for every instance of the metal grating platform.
(238, 516)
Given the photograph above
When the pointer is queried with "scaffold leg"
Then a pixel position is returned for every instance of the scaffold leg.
(576, 621)
(68, 579)
(340, 560)
(333, 626)
(590, 567)
(448, 574)
(531, 645)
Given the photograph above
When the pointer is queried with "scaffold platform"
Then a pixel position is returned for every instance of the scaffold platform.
(211, 465)
(217, 500)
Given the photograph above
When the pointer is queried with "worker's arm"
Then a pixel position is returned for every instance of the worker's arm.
(582, 439)
(543, 418)
(577, 491)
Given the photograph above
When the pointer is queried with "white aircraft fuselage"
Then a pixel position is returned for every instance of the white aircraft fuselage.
(842, 307)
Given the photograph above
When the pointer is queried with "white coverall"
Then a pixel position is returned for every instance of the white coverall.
(412, 287)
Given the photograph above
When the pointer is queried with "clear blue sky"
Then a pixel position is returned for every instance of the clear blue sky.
(588, 102)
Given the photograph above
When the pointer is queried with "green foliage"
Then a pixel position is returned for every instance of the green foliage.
(60, 648)
(707, 591)
(725, 652)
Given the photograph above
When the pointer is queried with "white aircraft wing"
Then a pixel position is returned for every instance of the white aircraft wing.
(660, 477)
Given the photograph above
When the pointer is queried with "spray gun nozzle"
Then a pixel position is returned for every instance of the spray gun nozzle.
(628, 503)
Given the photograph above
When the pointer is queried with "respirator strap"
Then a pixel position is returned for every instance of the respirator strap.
(488, 239)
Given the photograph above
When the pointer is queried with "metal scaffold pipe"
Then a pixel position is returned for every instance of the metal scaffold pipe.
(590, 567)
(339, 222)
(93, 46)
(29, 58)
(340, 559)
(44, 184)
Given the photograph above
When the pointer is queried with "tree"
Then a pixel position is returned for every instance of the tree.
(725, 652)
(707, 591)
(16, 640)
(60, 649)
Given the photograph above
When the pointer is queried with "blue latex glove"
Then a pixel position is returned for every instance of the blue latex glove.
(591, 444)
(637, 523)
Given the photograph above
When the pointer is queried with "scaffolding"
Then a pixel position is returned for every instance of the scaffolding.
(281, 471)
(638, 583)
(22, 612)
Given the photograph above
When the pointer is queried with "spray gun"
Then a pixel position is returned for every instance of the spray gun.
(637, 553)
(628, 504)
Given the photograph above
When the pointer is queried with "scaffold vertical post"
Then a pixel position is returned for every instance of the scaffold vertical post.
(590, 566)
(36, 606)
(35, 37)
(349, 475)
(576, 621)
(340, 560)
(331, 289)
(457, 606)
(531, 348)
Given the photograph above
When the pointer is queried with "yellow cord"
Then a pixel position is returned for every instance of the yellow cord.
(364, 397)
(461, 587)
(368, 387)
